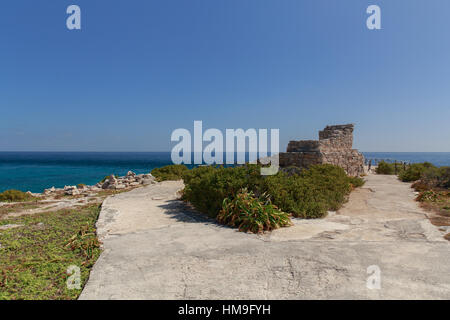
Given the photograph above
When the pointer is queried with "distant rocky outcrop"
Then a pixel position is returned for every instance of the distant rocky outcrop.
(71, 190)
(334, 147)
(130, 180)
(111, 183)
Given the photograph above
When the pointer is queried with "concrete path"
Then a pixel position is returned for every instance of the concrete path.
(156, 248)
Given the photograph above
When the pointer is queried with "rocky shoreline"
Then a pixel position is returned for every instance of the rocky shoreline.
(54, 199)
(130, 180)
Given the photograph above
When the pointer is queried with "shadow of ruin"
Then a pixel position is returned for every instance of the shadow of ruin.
(334, 147)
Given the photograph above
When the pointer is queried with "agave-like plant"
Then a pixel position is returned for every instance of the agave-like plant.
(251, 213)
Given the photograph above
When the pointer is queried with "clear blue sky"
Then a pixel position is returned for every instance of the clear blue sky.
(139, 69)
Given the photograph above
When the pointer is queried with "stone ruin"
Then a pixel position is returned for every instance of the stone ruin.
(334, 147)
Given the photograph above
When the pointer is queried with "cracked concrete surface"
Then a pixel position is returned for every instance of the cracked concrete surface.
(157, 248)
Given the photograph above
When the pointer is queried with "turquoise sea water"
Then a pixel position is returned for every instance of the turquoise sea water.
(437, 158)
(35, 171)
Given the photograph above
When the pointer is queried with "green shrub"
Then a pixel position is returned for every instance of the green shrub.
(253, 214)
(444, 177)
(308, 194)
(171, 172)
(296, 194)
(385, 168)
(425, 175)
(15, 196)
(356, 182)
(414, 171)
(206, 187)
(430, 177)
(313, 192)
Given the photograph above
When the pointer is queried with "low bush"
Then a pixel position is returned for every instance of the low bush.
(444, 177)
(296, 194)
(414, 171)
(356, 182)
(313, 192)
(206, 187)
(425, 175)
(249, 213)
(430, 177)
(171, 172)
(15, 196)
(308, 194)
(385, 168)
(432, 183)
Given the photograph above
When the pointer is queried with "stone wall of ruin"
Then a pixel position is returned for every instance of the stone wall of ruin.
(334, 147)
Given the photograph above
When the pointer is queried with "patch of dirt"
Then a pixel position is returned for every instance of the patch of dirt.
(435, 208)
(440, 221)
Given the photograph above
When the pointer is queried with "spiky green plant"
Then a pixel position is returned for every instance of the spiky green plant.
(253, 214)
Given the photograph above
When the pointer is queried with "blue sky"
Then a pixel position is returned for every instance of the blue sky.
(140, 69)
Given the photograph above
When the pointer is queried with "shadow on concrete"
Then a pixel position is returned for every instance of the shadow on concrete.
(183, 212)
